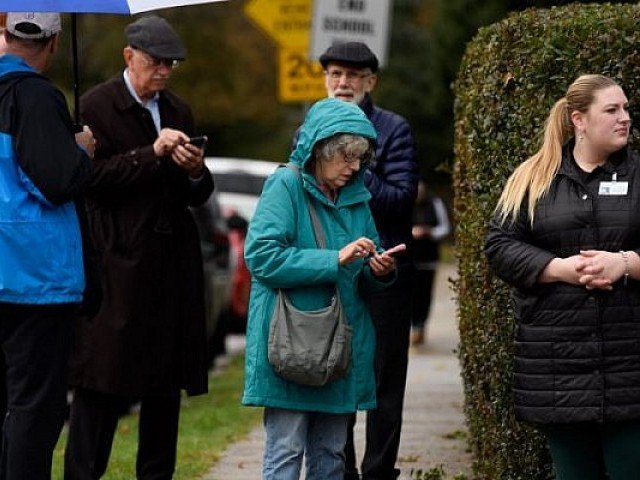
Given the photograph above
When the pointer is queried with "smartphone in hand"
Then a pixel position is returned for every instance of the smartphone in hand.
(198, 142)
(397, 250)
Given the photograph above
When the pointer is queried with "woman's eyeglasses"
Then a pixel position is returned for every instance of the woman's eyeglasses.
(365, 158)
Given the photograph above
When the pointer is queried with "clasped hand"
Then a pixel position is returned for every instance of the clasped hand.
(381, 264)
(596, 269)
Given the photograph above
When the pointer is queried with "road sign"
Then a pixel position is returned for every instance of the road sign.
(301, 80)
(288, 22)
(337, 21)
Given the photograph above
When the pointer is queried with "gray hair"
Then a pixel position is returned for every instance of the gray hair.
(346, 144)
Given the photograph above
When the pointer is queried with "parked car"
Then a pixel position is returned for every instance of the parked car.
(216, 254)
(239, 184)
(222, 222)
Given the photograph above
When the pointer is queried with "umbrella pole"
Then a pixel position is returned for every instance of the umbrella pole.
(76, 74)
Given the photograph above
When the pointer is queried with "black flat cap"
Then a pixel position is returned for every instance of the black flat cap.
(154, 35)
(352, 53)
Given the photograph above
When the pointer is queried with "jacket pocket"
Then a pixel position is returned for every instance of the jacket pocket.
(525, 303)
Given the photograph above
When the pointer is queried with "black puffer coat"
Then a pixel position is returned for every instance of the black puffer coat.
(392, 178)
(577, 352)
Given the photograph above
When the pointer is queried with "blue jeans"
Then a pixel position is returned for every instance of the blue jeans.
(320, 437)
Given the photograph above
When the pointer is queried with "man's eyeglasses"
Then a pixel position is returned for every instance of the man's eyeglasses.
(350, 75)
(155, 62)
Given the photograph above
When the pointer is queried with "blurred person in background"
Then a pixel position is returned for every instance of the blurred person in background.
(148, 341)
(430, 226)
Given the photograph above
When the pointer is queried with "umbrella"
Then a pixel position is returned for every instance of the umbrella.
(123, 7)
(95, 6)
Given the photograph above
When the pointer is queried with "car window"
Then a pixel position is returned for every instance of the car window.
(239, 182)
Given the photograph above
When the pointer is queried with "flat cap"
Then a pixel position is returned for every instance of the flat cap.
(352, 53)
(154, 35)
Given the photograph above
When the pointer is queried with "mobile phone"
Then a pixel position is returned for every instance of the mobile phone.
(398, 249)
(198, 142)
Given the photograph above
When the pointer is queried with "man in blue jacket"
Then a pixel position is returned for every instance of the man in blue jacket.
(350, 75)
(42, 170)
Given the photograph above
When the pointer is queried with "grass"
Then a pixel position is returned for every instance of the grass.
(208, 424)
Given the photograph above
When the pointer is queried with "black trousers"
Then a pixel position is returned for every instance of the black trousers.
(391, 314)
(92, 425)
(35, 340)
(422, 294)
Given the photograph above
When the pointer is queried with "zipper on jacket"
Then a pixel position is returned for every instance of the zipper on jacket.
(599, 370)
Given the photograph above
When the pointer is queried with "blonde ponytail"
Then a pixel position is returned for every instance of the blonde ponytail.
(533, 177)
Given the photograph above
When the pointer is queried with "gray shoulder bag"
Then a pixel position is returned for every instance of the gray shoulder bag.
(310, 348)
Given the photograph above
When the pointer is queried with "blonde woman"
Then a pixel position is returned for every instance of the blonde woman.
(566, 236)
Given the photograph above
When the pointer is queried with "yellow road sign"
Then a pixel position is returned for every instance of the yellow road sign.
(288, 22)
(300, 79)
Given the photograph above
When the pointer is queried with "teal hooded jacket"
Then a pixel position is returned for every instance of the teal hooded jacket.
(281, 253)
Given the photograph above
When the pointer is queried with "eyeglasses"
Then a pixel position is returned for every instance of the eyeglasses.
(155, 62)
(350, 75)
(365, 159)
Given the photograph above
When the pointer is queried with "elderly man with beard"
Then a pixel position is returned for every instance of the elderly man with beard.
(147, 342)
(392, 179)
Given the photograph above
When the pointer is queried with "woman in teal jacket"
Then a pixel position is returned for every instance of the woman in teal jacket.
(281, 253)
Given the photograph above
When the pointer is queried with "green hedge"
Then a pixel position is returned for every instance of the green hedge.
(512, 73)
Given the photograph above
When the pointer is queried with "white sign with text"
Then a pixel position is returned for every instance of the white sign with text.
(338, 21)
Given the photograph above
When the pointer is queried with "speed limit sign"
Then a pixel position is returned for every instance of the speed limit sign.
(300, 79)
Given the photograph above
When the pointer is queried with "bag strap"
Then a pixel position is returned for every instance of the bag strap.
(318, 231)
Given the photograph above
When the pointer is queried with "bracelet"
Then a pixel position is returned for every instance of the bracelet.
(625, 259)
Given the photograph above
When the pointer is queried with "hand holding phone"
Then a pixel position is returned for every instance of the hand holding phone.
(384, 263)
(198, 142)
(397, 250)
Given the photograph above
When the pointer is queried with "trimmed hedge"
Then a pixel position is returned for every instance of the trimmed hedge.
(510, 76)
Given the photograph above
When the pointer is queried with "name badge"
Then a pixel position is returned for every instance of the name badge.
(613, 188)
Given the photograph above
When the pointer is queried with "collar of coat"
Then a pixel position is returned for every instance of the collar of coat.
(617, 162)
(367, 105)
(124, 100)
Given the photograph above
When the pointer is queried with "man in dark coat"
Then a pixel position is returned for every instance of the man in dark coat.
(350, 72)
(147, 342)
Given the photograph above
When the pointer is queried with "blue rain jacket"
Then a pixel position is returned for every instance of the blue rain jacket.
(41, 171)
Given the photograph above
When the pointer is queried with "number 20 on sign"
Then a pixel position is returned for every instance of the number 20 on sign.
(301, 80)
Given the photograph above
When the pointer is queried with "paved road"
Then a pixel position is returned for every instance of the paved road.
(433, 426)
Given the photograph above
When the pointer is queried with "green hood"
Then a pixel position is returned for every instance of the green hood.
(325, 119)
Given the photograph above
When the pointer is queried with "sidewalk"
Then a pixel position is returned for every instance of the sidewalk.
(433, 425)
